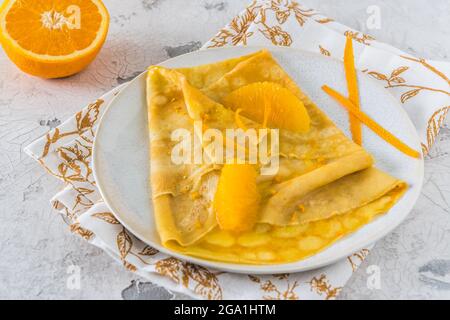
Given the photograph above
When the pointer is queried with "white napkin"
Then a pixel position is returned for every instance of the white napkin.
(422, 86)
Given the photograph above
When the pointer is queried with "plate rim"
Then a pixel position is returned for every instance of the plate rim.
(249, 268)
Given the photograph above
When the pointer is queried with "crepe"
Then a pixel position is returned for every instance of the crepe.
(326, 186)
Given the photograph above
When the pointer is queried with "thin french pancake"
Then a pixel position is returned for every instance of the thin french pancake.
(326, 186)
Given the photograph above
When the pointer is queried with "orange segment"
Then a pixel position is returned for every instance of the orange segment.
(53, 38)
(270, 104)
(237, 198)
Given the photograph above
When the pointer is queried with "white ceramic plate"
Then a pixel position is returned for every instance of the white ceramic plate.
(121, 159)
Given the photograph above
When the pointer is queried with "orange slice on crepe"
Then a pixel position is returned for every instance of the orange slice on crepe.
(237, 198)
(270, 104)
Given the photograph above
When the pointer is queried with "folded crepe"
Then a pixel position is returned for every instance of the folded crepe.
(326, 186)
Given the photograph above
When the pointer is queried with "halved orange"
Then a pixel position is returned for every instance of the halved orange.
(53, 38)
(270, 104)
(237, 198)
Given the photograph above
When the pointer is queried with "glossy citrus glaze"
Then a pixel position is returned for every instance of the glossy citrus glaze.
(266, 244)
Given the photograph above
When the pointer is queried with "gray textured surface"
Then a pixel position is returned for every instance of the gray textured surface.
(36, 248)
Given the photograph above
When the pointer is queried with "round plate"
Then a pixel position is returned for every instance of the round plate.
(121, 157)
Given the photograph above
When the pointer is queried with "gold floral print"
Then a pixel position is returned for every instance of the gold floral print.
(324, 20)
(129, 266)
(395, 81)
(281, 276)
(424, 63)
(277, 36)
(240, 27)
(321, 286)
(301, 15)
(82, 232)
(107, 217)
(76, 164)
(438, 118)
(272, 290)
(205, 282)
(56, 204)
(360, 256)
(425, 149)
(324, 51)
(237, 32)
(124, 243)
(75, 168)
(68, 216)
(434, 124)
(284, 8)
(85, 121)
(82, 199)
(148, 251)
(169, 267)
(361, 38)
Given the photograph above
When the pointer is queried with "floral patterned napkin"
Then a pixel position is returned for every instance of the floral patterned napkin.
(422, 86)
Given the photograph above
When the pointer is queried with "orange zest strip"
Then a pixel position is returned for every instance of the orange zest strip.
(369, 122)
(352, 85)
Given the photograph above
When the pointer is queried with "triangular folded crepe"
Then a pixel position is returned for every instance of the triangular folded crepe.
(331, 179)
